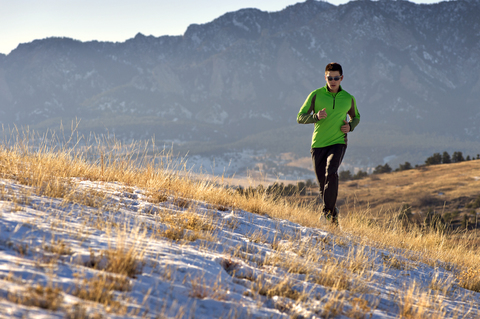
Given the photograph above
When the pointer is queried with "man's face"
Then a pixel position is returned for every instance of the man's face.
(330, 77)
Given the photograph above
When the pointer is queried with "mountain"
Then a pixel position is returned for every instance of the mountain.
(237, 82)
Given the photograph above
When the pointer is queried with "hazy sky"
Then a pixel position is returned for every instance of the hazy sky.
(115, 20)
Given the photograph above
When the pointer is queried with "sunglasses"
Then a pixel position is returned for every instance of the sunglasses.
(336, 78)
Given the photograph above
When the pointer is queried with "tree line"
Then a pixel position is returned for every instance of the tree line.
(435, 159)
(445, 158)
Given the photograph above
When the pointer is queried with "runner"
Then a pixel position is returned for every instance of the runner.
(327, 108)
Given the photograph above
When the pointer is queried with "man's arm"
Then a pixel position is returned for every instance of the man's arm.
(354, 115)
(305, 115)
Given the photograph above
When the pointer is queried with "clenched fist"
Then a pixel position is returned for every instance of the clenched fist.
(321, 114)
(345, 127)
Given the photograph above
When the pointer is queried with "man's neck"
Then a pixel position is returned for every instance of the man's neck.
(333, 91)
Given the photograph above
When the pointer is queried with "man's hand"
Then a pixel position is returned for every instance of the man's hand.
(321, 114)
(345, 128)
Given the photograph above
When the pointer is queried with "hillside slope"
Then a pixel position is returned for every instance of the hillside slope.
(120, 238)
(444, 188)
(182, 258)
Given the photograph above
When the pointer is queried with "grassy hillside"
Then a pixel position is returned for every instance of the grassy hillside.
(444, 189)
(127, 235)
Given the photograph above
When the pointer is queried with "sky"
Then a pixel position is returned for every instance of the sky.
(22, 21)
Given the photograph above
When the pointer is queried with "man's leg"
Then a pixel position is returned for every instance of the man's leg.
(334, 157)
(319, 159)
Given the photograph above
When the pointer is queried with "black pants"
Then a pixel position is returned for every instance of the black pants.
(326, 161)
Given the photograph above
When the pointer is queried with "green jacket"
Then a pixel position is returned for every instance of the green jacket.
(337, 105)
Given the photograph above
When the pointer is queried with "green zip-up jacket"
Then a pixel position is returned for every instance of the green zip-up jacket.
(337, 105)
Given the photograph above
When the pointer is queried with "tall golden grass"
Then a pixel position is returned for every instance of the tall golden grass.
(47, 164)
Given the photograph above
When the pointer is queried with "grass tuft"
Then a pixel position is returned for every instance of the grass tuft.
(48, 297)
(100, 289)
(469, 278)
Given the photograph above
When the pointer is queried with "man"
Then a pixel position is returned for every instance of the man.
(327, 108)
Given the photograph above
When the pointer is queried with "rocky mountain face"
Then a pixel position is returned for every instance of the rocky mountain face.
(239, 81)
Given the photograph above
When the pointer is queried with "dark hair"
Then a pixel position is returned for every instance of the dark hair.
(334, 66)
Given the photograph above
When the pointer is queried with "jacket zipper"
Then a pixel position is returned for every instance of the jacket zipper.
(334, 102)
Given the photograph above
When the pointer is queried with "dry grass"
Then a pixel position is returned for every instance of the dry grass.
(332, 276)
(187, 225)
(333, 305)
(286, 288)
(100, 289)
(414, 303)
(394, 262)
(469, 278)
(58, 247)
(122, 260)
(78, 311)
(174, 233)
(47, 171)
(201, 290)
(88, 197)
(360, 309)
(442, 188)
(48, 297)
(442, 285)
(358, 260)
(429, 246)
(156, 197)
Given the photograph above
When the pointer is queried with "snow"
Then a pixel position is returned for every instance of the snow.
(240, 25)
(202, 278)
(196, 39)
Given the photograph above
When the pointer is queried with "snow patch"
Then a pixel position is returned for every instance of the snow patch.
(240, 25)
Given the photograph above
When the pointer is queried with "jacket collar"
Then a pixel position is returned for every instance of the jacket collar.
(339, 89)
